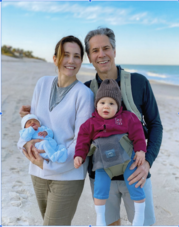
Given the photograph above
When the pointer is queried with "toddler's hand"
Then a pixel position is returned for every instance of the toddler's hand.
(44, 134)
(139, 158)
(78, 162)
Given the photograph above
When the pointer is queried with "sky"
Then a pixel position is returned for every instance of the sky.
(147, 32)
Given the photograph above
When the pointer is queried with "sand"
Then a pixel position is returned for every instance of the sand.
(19, 206)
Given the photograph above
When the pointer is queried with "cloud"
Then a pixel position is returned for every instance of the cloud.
(138, 17)
(174, 25)
(170, 25)
(110, 15)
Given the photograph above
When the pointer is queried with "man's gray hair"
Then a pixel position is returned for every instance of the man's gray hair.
(100, 31)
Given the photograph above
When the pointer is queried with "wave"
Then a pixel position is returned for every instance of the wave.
(151, 74)
(156, 75)
(88, 66)
(131, 70)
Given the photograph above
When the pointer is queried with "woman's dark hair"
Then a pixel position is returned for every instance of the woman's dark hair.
(59, 49)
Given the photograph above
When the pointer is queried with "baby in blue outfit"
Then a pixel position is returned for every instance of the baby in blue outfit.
(32, 129)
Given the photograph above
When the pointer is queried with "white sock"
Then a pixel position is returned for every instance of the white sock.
(139, 210)
(100, 213)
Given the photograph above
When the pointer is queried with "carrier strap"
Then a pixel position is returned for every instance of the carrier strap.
(127, 94)
(94, 86)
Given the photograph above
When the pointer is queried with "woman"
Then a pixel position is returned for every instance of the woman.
(61, 103)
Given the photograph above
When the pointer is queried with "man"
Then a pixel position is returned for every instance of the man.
(100, 48)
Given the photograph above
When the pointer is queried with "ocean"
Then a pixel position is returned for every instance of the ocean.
(168, 74)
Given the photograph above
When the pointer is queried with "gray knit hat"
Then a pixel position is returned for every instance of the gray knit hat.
(109, 88)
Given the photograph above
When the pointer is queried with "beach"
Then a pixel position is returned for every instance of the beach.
(19, 206)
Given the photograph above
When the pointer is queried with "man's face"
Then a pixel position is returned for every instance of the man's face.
(101, 54)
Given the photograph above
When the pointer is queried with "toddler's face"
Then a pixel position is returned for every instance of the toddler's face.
(32, 122)
(107, 107)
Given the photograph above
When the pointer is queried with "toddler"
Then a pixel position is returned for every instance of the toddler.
(32, 129)
(104, 128)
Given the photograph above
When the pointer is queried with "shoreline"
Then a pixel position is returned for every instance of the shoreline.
(83, 70)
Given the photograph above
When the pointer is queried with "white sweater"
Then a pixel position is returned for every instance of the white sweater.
(64, 120)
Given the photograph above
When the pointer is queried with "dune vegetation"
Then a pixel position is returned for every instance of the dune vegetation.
(18, 53)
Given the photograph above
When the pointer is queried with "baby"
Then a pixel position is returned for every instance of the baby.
(32, 129)
(107, 123)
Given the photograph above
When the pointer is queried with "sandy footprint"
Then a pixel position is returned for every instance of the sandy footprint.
(17, 184)
(164, 163)
(22, 221)
(4, 157)
(164, 212)
(19, 188)
(12, 214)
(173, 165)
(14, 170)
(15, 199)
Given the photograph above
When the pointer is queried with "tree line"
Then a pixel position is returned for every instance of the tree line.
(17, 52)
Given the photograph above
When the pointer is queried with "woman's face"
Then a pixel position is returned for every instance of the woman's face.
(71, 62)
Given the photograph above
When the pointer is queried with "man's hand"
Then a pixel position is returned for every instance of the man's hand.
(78, 162)
(44, 134)
(139, 175)
(139, 158)
(24, 110)
(32, 154)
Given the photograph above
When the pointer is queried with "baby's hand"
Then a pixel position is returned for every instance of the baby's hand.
(139, 157)
(35, 127)
(78, 162)
(44, 134)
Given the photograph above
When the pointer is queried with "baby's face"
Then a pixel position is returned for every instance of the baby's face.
(32, 122)
(107, 107)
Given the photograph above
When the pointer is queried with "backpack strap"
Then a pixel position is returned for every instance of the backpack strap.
(94, 86)
(127, 94)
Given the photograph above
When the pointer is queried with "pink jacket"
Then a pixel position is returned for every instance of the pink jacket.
(96, 126)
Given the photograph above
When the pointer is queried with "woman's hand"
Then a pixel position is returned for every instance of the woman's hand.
(24, 110)
(32, 153)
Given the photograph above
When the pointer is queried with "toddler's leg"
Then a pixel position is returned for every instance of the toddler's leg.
(101, 193)
(136, 194)
(139, 207)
